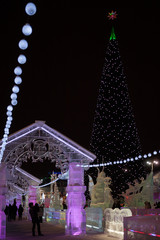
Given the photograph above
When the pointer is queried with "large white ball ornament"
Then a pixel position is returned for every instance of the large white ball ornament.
(3, 147)
(18, 70)
(18, 80)
(6, 130)
(10, 118)
(30, 9)
(22, 59)
(10, 108)
(8, 122)
(15, 89)
(14, 102)
(9, 113)
(13, 96)
(27, 29)
(23, 44)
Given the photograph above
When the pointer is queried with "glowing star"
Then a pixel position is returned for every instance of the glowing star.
(112, 15)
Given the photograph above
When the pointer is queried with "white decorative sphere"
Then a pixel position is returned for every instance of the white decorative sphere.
(8, 122)
(13, 96)
(6, 130)
(30, 9)
(10, 118)
(23, 44)
(14, 102)
(9, 108)
(27, 29)
(15, 89)
(3, 147)
(22, 59)
(9, 113)
(18, 80)
(18, 70)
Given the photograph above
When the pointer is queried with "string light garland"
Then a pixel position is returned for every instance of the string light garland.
(30, 10)
(149, 155)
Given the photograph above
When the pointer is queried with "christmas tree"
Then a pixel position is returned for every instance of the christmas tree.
(114, 136)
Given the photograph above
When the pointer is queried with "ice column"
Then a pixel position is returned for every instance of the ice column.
(32, 194)
(75, 214)
(3, 190)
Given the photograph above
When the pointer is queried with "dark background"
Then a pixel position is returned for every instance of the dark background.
(64, 63)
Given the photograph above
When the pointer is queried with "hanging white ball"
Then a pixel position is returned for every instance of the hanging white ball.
(27, 29)
(22, 59)
(3, 147)
(9, 113)
(18, 80)
(13, 96)
(15, 89)
(8, 122)
(30, 9)
(23, 44)
(9, 108)
(9, 118)
(6, 130)
(18, 70)
(14, 102)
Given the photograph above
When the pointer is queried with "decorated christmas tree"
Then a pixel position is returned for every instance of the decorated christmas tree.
(114, 136)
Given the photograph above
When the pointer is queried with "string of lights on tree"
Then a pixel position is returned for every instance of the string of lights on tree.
(30, 10)
(114, 138)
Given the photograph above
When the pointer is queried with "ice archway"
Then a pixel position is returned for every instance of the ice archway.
(40, 142)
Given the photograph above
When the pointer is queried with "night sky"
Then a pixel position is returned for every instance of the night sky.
(64, 63)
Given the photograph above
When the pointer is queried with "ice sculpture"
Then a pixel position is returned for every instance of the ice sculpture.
(101, 193)
(136, 195)
(94, 219)
(75, 214)
(32, 194)
(114, 221)
(142, 227)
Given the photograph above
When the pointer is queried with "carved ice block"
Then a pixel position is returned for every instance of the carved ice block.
(32, 194)
(75, 214)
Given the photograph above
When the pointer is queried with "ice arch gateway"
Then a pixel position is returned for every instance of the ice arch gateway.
(39, 142)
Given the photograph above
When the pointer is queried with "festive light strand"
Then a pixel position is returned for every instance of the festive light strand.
(140, 157)
(30, 10)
